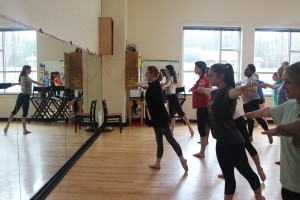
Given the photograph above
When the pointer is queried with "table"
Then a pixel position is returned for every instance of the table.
(141, 104)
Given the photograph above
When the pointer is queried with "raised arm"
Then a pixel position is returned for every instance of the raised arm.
(266, 112)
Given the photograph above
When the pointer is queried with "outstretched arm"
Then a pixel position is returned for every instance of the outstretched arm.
(142, 85)
(238, 91)
(290, 130)
(204, 90)
(266, 112)
(263, 85)
(38, 83)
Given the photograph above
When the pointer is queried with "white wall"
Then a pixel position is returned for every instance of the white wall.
(69, 20)
(155, 26)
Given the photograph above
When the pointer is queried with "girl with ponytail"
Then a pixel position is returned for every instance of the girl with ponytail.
(200, 102)
(230, 146)
(158, 116)
(174, 105)
(23, 98)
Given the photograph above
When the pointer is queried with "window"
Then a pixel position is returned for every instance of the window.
(272, 47)
(211, 45)
(17, 48)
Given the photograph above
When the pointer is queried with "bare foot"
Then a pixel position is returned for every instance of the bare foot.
(221, 176)
(199, 155)
(270, 139)
(184, 165)
(5, 130)
(155, 166)
(277, 162)
(26, 132)
(261, 174)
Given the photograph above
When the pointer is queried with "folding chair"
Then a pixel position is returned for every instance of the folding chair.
(180, 91)
(40, 103)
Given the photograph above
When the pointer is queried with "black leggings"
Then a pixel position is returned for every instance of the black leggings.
(202, 120)
(289, 195)
(159, 132)
(174, 106)
(240, 123)
(22, 100)
(253, 106)
(234, 155)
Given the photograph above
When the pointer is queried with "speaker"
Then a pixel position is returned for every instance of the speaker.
(105, 36)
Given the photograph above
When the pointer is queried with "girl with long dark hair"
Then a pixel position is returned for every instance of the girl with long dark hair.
(200, 102)
(174, 105)
(23, 98)
(230, 146)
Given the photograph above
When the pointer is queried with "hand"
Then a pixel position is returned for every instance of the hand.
(249, 115)
(245, 88)
(270, 132)
(263, 85)
(199, 89)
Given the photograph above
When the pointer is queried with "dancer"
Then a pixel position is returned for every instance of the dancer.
(23, 98)
(158, 115)
(261, 96)
(200, 102)
(174, 105)
(281, 95)
(240, 123)
(230, 146)
(287, 113)
(251, 101)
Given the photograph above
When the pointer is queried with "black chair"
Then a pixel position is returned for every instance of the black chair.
(91, 116)
(110, 118)
(180, 91)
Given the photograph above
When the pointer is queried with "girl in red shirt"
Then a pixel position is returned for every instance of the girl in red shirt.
(200, 102)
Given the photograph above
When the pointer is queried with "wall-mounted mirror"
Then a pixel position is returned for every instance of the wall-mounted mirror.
(29, 161)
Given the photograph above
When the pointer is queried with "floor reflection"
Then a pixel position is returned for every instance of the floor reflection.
(29, 161)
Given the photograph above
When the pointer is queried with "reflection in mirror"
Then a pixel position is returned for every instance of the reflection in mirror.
(29, 161)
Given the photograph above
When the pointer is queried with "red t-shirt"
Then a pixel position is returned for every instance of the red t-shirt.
(200, 100)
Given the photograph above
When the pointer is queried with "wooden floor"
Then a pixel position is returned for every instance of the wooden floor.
(27, 162)
(115, 168)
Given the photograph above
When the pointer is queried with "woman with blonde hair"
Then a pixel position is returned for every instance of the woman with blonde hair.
(158, 117)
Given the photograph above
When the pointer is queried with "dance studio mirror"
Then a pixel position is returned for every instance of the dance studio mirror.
(29, 161)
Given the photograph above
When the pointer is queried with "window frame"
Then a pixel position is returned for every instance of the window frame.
(289, 53)
(4, 71)
(221, 50)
